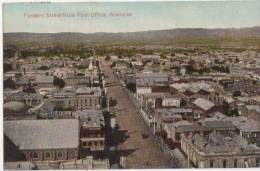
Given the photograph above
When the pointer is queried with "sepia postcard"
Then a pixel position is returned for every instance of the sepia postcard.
(131, 85)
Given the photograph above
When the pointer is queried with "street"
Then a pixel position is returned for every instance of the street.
(140, 151)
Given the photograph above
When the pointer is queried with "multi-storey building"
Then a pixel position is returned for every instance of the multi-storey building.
(31, 99)
(40, 140)
(218, 151)
(75, 99)
(92, 129)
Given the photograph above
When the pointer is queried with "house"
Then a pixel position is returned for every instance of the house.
(160, 100)
(137, 64)
(31, 99)
(203, 127)
(150, 57)
(202, 107)
(76, 81)
(190, 91)
(44, 81)
(165, 116)
(248, 128)
(40, 140)
(251, 111)
(145, 82)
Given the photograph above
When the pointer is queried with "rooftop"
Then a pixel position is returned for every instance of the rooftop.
(44, 79)
(217, 143)
(91, 117)
(193, 87)
(203, 103)
(152, 75)
(16, 107)
(253, 107)
(244, 124)
(43, 134)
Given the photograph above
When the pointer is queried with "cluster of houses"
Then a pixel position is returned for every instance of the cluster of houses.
(199, 104)
(53, 114)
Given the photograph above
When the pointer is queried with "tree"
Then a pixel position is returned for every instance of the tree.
(29, 89)
(113, 65)
(81, 67)
(58, 82)
(9, 83)
(234, 113)
(107, 58)
(254, 82)
(236, 93)
(190, 69)
(7, 67)
(131, 87)
(183, 103)
(163, 56)
(43, 67)
(226, 107)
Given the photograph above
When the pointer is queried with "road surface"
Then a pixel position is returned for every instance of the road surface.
(139, 152)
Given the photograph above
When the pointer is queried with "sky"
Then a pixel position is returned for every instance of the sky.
(90, 17)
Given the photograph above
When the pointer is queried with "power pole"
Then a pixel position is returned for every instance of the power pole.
(188, 158)
(108, 104)
(154, 125)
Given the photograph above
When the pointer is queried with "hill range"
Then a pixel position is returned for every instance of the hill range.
(181, 36)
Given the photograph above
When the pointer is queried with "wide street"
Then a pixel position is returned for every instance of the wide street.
(140, 152)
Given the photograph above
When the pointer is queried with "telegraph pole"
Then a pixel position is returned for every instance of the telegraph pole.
(154, 124)
(107, 104)
(188, 158)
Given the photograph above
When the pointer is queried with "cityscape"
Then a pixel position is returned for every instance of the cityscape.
(161, 98)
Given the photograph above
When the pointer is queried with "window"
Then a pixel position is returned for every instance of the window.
(84, 143)
(47, 155)
(196, 116)
(59, 154)
(211, 163)
(96, 143)
(35, 155)
(90, 143)
(224, 163)
(101, 143)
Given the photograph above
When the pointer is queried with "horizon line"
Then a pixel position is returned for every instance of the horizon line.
(205, 28)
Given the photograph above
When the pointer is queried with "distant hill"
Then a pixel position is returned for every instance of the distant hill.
(182, 36)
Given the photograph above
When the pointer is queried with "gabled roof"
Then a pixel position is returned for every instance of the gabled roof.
(43, 134)
(253, 107)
